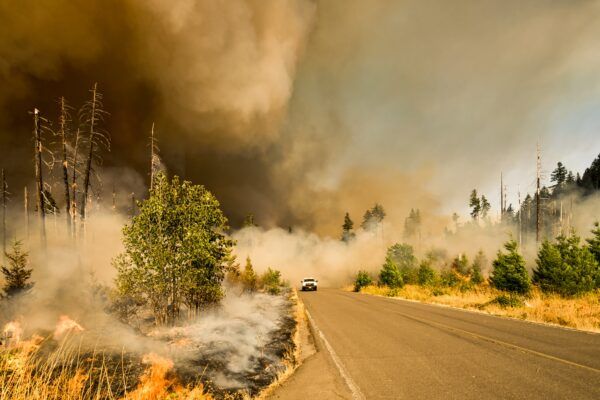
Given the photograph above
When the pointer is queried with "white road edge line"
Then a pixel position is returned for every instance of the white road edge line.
(356, 393)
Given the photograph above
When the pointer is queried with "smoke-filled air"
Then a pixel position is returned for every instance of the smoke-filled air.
(174, 172)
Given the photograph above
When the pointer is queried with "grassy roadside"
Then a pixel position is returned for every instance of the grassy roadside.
(581, 312)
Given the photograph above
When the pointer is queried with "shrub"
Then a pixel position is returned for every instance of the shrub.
(402, 255)
(409, 275)
(565, 267)
(594, 246)
(248, 277)
(362, 279)
(509, 272)
(505, 301)
(390, 275)
(461, 264)
(271, 281)
(449, 278)
(16, 274)
(426, 275)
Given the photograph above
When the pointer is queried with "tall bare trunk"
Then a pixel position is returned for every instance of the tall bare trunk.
(26, 207)
(39, 178)
(62, 121)
(3, 214)
(74, 184)
(88, 162)
(152, 157)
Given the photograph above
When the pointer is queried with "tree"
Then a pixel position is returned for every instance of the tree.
(559, 176)
(175, 250)
(485, 207)
(402, 255)
(390, 274)
(93, 114)
(63, 131)
(362, 279)
(565, 267)
(373, 217)
(475, 205)
(479, 263)
(348, 229)
(16, 274)
(426, 274)
(249, 276)
(594, 242)
(249, 221)
(460, 264)
(590, 181)
(509, 272)
(412, 224)
(271, 281)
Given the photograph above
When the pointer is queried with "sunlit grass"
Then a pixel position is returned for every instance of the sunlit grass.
(581, 312)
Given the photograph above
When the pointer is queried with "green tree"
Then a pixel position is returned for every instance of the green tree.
(362, 279)
(559, 176)
(373, 217)
(403, 256)
(175, 250)
(16, 274)
(460, 264)
(565, 267)
(390, 274)
(479, 263)
(475, 204)
(348, 229)
(485, 206)
(594, 242)
(509, 272)
(248, 278)
(426, 274)
(271, 281)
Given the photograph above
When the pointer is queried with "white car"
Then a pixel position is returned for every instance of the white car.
(309, 284)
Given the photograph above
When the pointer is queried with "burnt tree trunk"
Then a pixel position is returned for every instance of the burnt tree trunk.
(39, 178)
(3, 214)
(62, 121)
(88, 162)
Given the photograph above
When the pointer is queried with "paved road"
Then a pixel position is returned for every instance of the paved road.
(395, 349)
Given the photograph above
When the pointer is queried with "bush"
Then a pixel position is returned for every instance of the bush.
(402, 255)
(409, 275)
(461, 265)
(509, 271)
(449, 278)
(565, 267)
(271, 281)
(390, 275)
(426, 275)
(16, 274)
(505, 301)
(362, 279)
(248, 276)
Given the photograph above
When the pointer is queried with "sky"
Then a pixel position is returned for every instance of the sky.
(301, 110)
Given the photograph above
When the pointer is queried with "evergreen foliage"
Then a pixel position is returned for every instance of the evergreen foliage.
(509, 272)
(390, 274)
(362, 279)
(479, 263)
(426, 274)
(16, 274)
(348, 229)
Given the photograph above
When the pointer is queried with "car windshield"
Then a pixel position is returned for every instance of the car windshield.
(309, 280)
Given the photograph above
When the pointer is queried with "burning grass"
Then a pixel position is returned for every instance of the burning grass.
(230, 353)
(581, 312)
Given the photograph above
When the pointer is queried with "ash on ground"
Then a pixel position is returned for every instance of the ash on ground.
(236, 349)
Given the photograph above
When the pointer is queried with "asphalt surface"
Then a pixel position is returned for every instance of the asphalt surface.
(384, 348)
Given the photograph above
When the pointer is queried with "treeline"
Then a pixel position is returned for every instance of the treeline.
(565, 266)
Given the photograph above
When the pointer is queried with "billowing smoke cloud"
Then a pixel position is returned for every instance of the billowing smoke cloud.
(288, 108)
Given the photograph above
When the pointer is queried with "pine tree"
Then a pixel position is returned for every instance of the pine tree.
(559, 175)
(249, 221)
(565, 267)
(475, 205)
(16, 274)
(594, 242)
(460, 264)
(249, 278)
(509, 272)
(348, 229)
(485, 206)
(426, 274)
(363, 278)
(412, 223)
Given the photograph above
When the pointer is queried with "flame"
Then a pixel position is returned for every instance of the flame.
(155, 385)
(66, 325)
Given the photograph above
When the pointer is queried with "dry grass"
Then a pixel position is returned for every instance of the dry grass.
(579, 312)
(29, 371)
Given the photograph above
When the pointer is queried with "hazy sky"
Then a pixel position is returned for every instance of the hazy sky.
(299, 110)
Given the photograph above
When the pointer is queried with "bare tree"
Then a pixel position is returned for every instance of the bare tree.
(39, 178)
(63, 120)
(154, 157)
(4, 194)
(74, 181)
(92, 115)
(26, 207)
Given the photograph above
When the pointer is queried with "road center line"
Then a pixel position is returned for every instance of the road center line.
(499, 342)
(356, 393)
